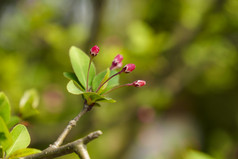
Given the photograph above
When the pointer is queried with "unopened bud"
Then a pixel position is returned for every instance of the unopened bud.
(128, 68)
(117, 62)
(94, 50)
(139, 83)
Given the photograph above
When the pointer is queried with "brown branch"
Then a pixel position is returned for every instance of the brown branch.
(68, 128)
(81, 151)
(78, 147)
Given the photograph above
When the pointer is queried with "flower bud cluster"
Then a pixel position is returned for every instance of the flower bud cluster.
(117, 63)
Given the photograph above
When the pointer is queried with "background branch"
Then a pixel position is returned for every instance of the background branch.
(97, 11)
(78, 146)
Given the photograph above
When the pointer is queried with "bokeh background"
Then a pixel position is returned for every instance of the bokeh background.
(186, 50)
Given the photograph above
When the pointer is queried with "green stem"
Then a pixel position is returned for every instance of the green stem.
(108, 80)
(90, 61)
(114, 88)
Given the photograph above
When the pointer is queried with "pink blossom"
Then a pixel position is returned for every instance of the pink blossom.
(117, 62)
(94, 50)
(139, 83)
(128, 68)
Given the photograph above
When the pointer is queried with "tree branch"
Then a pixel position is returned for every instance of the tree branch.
(78, 146)
(81, 151)
(68, 128)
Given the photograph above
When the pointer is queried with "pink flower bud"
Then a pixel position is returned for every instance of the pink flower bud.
(128, 68)
(117, 62)
(139, 83)
(94, 50)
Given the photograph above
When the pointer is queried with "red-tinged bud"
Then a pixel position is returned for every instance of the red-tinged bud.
(128, 68)
(94, 50)
(139, 83)
(117, 62)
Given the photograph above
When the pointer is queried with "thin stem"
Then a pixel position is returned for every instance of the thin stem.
(90, 61)
(68, 128)
(108, 80)
(114, 88)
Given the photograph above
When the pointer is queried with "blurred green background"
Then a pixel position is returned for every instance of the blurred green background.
(186, 50)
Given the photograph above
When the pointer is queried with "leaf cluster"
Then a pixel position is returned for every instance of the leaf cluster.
(14, 143)
(78, 80)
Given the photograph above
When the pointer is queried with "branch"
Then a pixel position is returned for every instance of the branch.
(78, 146)
(68, 128)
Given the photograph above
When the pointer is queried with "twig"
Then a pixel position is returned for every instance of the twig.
(78, 146)
(81, 151)
(71, 124)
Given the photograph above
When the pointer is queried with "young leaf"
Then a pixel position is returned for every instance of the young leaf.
(80, 63)
(5, 108)
(107, 100)
(99, 79)
(5, 137)
(112, 82)
(29, 103)
(23, 152)
(21, 139)
(93, 97)
(73, 77)
(72, 88)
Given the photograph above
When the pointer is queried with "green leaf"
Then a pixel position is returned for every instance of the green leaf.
(73, 77)
(72, 88)
(21, 139)
(93, 97)
(99, 79)
(28, 104)
(80, 63)
(5, 108)
(112, 82)
(5, 137)
(24, 152)
(13, 121)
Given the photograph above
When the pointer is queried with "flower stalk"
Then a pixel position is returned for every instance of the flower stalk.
(100, 86)
(90, 62)
(127, 69)
(120, 86)
(93, 52)
(138, 83)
